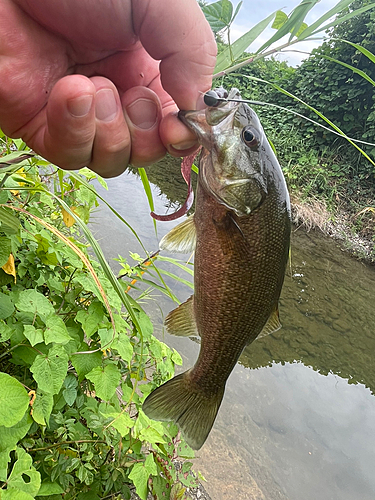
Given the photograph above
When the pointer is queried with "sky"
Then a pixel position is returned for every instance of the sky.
(253, 11)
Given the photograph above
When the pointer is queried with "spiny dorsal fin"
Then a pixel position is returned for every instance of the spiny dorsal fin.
(273, 324)
(181, 239)
(181, 321)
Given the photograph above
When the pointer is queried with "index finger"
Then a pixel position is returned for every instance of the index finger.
(177, 33)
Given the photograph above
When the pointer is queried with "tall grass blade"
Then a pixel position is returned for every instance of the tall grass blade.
(355, 70)
(148, 191)
(317, 28)
(364, 51)
(224, 59)
(293, 24)
(311, 108)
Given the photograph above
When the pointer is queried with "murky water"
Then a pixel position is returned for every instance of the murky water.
(298, 417)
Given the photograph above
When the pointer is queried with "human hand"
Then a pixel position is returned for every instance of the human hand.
(80, 82)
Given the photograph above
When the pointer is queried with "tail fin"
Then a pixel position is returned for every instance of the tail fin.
(188, 407)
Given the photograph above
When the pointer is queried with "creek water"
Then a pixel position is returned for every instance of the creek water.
(298, 416)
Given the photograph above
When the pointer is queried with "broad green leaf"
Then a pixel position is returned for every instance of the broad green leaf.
(9, 439)
(50, 370)
(24, 476)
(224, 59)
(123, 346)
(280, 19)
(90, 319)
(105, 380)
(185, 451)
(15, 494)
(122, 421)
(70, 391)
(34, 302)
(47, 488)
(139, 476)
(218, 14)
(14, 400)
(319, 25)
(6, 306)
(106, 338)
(84, 363)
(152, 436)
(5, 249)
(9, 222)
(42, 408)
(150, 465)
(5, 331)
(33, 335)
(56, 330)
(145, 323)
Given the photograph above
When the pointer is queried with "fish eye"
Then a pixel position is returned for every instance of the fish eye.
(250, 137)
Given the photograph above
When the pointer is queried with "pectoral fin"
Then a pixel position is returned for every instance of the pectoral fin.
(273, 324)
(181, 239)
(181, 321)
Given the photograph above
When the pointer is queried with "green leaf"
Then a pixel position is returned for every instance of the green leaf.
(14, 400)
(42, 408)
(5, 249)
(33, 335)
(218, 14)
(6, 306)
(70, 391)
(139, 476)
(147, 188)
(34, 302)
(122, 420)
(352, 68)
(9, 439)
(150, 465)
(123, 346)
(364, 51)
(50, 370)
(280, 20)
(56, 330)
(224, 59)
(91, 318)
(9, 223)
(24, 476)
(105, 380)
(47, 488)
(318, 26)
(84, 363)
(15, 494)
(293, 24)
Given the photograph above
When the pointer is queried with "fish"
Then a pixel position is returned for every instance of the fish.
(240, 233)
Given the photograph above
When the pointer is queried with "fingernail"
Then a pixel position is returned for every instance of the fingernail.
(105, 105)
(184, 145)
(80, 106)
(143, 113)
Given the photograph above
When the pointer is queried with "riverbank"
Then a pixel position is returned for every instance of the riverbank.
(312, 214)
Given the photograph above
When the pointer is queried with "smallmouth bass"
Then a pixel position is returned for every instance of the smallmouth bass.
(241, 235)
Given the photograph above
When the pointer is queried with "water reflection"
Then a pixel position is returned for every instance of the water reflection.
(301, 422)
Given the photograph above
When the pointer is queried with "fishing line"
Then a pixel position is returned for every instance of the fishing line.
(210, 97)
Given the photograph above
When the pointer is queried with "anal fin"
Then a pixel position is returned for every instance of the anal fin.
(181, 239)
(181, 321)
(273, 324)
